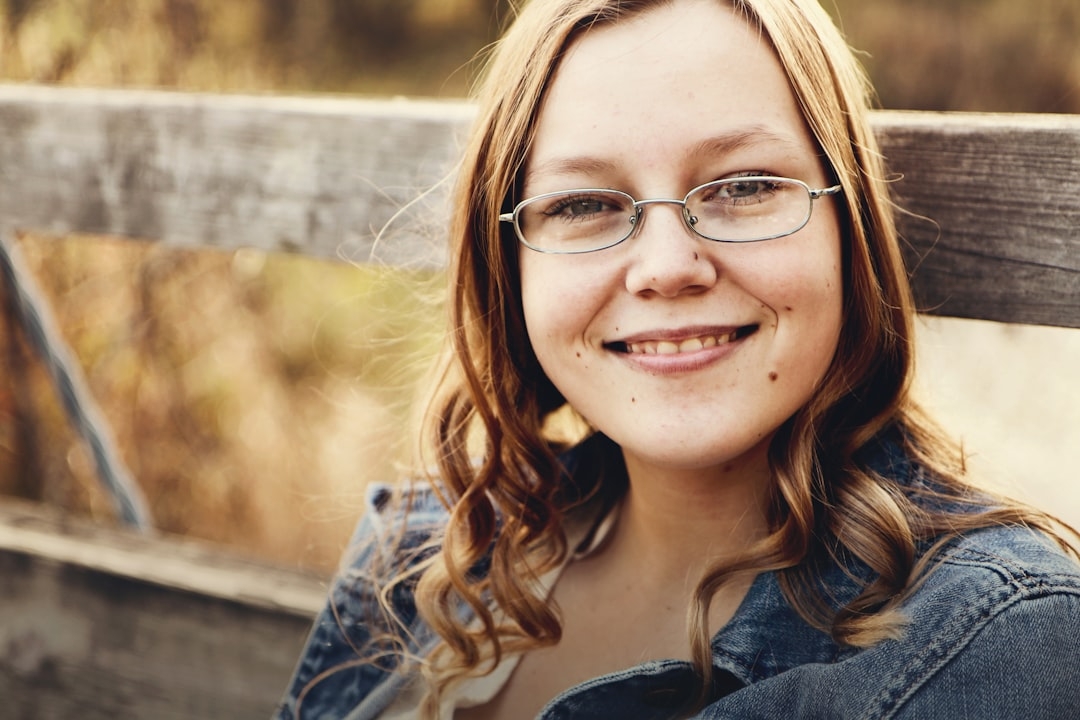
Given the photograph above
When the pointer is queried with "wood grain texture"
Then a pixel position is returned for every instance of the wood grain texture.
(104, 624)
(320, 176)
(992, 212)
(993, 201)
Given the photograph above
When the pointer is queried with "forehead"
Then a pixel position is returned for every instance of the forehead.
(676, 82)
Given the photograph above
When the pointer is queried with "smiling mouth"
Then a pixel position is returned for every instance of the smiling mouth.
(687, 345)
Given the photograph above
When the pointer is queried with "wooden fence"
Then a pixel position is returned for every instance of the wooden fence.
(105, 623)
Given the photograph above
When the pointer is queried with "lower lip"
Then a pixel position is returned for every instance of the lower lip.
(684, 362)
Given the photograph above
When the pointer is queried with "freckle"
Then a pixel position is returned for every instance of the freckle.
(578, 354)
(773, 376)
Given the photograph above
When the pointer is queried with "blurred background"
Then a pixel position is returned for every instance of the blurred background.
(253, 395)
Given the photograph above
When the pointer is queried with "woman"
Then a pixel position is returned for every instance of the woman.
(672, 219)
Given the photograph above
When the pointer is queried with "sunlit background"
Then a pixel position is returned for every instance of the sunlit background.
(254, 395)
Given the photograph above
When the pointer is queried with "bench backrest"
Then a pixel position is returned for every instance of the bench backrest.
(324, 177)
(349, 179)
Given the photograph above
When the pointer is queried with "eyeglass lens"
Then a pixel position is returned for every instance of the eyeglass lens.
(743, 209)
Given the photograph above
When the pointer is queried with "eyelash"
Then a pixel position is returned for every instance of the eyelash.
(746, 173)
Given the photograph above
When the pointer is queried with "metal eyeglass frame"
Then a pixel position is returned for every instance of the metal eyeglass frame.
(689, 220)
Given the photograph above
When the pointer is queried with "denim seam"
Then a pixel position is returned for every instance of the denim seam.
(651, 668)
(957, 632)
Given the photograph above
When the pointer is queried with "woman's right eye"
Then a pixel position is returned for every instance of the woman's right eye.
(738, 191)
(579, 207)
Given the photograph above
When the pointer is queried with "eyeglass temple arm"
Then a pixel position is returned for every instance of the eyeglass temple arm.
(815, 194)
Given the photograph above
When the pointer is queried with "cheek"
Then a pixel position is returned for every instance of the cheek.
(529, 299)
(819, 324)
(560, 296)
(802, 283)
(537, 296)
(817, 285)
(816, 313)
(550, 311)
(806, 299)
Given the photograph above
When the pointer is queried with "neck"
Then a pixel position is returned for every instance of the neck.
(676, 523)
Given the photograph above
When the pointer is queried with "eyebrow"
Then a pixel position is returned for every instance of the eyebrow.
(717, 145)
(569, 166)
(737, 140)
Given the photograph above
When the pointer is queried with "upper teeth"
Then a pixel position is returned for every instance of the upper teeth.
(668, 347)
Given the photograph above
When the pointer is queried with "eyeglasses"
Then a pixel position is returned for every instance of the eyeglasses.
(738, 209)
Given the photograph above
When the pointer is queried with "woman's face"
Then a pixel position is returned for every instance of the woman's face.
(689, 353)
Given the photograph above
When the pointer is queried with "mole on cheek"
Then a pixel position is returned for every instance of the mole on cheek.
(774, 376)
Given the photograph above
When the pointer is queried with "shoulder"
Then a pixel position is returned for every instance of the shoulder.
(345, 662)
(983, 574)
(395, 519)
(1000, 564)
(991, 632)
(400, 527)
(414, 505)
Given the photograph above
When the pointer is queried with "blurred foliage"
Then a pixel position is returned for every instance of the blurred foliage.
(984, 55)
(253, 395)
(355, 46)
(995, 55)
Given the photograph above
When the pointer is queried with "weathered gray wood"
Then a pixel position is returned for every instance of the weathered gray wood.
(999, 200)
(103, 624)
(327, 176)
(97, 624)
(317, 175)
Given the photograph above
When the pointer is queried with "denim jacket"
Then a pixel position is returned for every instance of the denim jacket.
(992, 632)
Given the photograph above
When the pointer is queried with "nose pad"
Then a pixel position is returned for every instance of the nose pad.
(638, 219)
(667, 256)
(690, 220)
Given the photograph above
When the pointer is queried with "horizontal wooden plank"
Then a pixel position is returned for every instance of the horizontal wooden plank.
(318, 175)
(366, 180)
(992, 215)
(96, 623)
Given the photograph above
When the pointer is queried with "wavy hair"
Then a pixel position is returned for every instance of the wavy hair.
(496, 466)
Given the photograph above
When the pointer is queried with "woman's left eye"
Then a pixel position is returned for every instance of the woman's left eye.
(738, 188)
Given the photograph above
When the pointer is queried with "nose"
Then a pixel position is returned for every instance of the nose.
(667, 258)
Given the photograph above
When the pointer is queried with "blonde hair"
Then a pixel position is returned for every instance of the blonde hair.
(507, 505)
